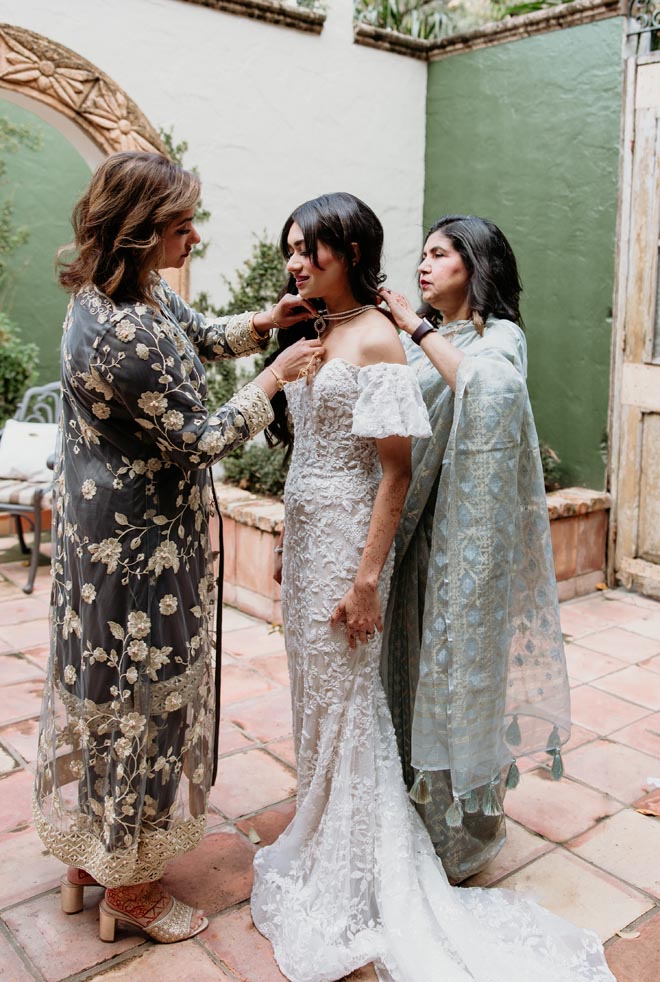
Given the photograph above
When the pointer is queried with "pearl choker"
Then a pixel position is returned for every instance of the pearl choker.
(325, 321)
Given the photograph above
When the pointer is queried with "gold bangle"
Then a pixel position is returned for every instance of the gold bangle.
(272, 317)
(254, 334)
(280, 381)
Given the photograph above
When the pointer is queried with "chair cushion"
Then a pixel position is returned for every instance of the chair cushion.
(24, 450)
(22, 493)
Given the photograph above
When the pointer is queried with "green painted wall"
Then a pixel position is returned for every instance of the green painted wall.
(527, 134)
(44, 186)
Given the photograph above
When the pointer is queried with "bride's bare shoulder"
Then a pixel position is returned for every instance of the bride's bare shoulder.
(379, 340)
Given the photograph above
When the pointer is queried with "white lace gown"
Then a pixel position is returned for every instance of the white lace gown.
(354, 878)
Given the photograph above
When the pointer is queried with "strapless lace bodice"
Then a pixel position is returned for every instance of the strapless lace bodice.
(334, 414)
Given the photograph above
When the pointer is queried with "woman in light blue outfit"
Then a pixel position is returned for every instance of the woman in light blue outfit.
(473, 661)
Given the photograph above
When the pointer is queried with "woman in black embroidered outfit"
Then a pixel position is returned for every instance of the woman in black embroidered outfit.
(126, 747)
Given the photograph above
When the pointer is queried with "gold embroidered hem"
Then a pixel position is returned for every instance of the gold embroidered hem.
(143, 862)
(254, 405)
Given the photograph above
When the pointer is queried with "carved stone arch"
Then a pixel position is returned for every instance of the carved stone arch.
(68, 83)
(52, 75)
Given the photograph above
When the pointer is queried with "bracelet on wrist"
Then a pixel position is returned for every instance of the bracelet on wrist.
(422, 329)
(255, 334)
(281, 382)
(271, 314)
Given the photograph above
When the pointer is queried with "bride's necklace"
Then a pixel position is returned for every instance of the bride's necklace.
(325, 321)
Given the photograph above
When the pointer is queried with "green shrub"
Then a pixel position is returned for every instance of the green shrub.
(258, 284)
(424, 19)
(13, 137)
(254, 467)
(259, 280)
(18, 367)
(221, 376)
(257, 468)
(553, 475)
(222, 381)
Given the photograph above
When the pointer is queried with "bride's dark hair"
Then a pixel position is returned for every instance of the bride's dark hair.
(339, 221)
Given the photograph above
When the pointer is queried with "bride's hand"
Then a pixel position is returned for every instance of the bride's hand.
(404, 316)
(359, 609)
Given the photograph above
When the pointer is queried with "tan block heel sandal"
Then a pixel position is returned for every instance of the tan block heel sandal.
(173, 925)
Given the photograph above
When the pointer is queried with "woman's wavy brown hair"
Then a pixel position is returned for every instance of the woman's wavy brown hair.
(119, 223)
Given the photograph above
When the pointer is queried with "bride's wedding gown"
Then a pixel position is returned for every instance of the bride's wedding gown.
(354, 878)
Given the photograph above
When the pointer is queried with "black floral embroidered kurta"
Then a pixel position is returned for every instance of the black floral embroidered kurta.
(127, 732)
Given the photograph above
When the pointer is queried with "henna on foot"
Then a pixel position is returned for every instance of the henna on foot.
(145, 903)
(80, 877)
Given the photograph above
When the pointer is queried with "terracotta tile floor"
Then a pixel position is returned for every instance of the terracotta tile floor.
(578, 846)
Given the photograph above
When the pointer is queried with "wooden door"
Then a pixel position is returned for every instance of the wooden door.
(635, 401)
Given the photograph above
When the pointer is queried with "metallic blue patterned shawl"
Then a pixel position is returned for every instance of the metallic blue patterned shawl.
(474, 599)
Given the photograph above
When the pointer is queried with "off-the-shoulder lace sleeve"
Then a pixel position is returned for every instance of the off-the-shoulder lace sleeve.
(389, 403)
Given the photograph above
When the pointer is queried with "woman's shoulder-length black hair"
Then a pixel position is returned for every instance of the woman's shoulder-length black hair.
(347, 226)
(494, 285)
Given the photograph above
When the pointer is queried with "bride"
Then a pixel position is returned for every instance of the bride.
(354, 878)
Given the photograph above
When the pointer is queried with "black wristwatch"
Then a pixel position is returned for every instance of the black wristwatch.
(422, 329)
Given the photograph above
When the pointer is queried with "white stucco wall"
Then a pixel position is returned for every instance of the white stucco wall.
(273, 116)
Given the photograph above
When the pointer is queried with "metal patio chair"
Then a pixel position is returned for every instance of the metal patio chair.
(28, 500)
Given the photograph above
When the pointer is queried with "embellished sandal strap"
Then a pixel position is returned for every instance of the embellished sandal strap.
(173, 925)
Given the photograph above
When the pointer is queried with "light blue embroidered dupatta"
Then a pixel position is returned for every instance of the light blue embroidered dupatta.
(473, 600)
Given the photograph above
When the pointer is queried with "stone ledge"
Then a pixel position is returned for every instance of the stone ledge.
(270, 11)
(265, 514)
(498, 32)
(400, 44)
(538, 22)
(569, 502)
(578, 526)
(580, 585)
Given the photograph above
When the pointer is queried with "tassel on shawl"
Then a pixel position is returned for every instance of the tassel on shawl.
(513, 735)
(454, 814)
(471, 806)
(513, 777)
(553, 748)
(557, 769)
(554, 740)
(420, 792)
(492, 803)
